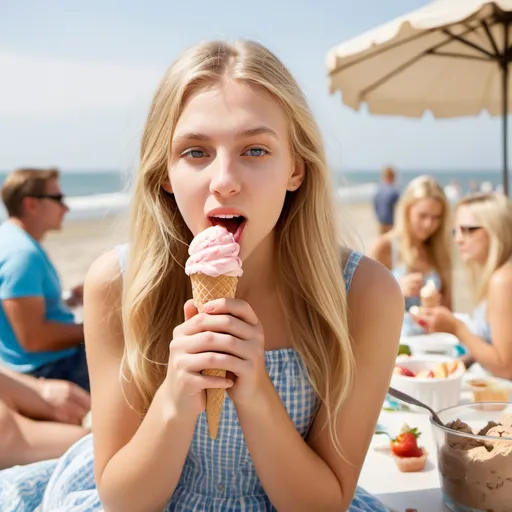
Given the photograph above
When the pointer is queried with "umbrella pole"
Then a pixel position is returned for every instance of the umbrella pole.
(504, 72)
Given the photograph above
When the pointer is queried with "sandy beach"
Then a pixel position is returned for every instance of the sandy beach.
(81, 242)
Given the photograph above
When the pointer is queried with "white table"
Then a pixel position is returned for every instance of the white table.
(399, 491)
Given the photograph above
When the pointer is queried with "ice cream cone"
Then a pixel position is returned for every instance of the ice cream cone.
(429, 295)
(205, 289)
(429, 302)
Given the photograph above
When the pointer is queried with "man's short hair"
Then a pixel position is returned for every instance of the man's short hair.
(388, 174)
(23, 183)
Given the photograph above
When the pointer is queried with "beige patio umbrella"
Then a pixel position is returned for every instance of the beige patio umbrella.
(450, 57)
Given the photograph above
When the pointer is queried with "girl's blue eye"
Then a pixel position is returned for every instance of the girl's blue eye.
(194, 153)
(256, 152)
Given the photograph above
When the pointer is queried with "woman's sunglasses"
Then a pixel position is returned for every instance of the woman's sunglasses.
(58, 198)
(465, 230)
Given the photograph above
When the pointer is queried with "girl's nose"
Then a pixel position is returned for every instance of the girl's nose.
(225, 179)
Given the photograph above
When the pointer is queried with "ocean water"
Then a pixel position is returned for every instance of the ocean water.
(91, 194)
(359, 186)
(97, 193)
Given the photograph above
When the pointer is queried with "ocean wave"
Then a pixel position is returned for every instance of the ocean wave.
(93, 206)
(356, 193)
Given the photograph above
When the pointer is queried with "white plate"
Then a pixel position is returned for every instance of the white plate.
(435, 343)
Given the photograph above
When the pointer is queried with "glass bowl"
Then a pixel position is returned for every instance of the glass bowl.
(475, 461)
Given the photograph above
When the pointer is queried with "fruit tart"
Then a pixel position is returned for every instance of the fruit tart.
(409, 457)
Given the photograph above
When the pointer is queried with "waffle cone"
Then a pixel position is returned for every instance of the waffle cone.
(430, 302)
(205, 289)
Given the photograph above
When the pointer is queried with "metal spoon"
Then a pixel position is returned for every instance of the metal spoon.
(412, 401)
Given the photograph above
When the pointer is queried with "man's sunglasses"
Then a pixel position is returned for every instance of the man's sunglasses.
(58, 198)
(466, 230)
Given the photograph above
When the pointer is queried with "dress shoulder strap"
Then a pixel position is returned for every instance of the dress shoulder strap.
(350, 268)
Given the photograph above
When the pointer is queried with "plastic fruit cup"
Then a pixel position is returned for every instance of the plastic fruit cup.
(474, 477)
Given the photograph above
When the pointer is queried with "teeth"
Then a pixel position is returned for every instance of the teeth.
(227, 216)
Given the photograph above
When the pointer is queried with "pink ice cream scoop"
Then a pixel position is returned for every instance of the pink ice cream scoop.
(214, 252)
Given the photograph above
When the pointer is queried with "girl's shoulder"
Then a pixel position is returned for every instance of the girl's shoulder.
(106, 271)
(502, 277)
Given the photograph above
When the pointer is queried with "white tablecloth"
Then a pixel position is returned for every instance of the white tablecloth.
(396, 490)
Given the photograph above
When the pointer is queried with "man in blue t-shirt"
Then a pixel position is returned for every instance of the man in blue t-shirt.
(38, 333)
(385, 200)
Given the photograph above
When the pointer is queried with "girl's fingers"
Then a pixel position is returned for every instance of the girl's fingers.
(224, 323)
(213, 361)
(189, 309)
(234, 307)
(218, 342)
(210, 382)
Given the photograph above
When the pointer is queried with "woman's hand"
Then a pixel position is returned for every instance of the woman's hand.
(438, 319)
(411, 284)
(227, 336)
(68, 403)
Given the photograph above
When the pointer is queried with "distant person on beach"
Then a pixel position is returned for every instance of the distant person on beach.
(385, 200)
(302, 359)
(418, 249)
(38, 333)
(39, 418)
(483, 233)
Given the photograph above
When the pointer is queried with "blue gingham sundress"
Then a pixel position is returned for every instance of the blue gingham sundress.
(217, 475)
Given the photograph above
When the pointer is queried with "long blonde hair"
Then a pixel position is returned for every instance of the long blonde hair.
(439, 244)
(493, 212)
(308, 254)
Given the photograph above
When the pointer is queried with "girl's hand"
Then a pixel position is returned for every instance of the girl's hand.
(245, 341)
(438, 319)
(227, 336)
(411, 284)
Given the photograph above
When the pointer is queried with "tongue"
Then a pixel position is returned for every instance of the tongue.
(230, 224)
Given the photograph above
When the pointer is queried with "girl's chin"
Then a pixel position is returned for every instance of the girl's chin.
(466, 258)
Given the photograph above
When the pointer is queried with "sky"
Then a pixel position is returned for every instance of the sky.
(76, 80)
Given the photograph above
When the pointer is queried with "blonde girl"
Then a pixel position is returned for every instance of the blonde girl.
(229, 131)
(418, 249)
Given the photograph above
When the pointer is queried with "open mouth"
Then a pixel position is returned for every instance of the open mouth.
(235, 224)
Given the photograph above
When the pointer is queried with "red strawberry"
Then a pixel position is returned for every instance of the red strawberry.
(400, 370)
(406, 443)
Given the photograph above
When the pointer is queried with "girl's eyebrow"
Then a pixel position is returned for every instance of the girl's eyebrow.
(196, 136)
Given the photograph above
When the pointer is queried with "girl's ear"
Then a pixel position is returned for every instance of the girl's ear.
(166, 185)
(297, 175)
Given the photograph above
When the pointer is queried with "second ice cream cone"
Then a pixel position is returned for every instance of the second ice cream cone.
(429, 295)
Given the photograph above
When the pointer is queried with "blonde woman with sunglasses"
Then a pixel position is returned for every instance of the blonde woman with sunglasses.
(483, 234)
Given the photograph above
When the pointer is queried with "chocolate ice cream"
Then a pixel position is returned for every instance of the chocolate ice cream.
(477, 473)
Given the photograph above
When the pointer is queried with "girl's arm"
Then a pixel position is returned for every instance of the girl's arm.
(496, 357)
(312, 476)
(137, 462)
